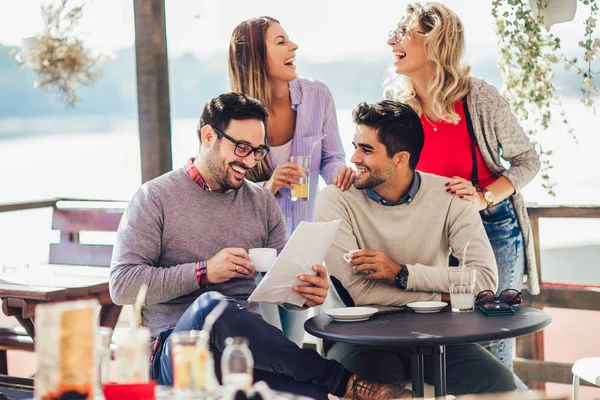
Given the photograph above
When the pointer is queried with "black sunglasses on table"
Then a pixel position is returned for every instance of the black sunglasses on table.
(508, 296)
(244, 149)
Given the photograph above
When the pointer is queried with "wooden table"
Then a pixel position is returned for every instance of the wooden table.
(31, 285)
(429, 334)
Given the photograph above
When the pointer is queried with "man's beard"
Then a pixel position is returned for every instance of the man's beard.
(220, 170)
(376, 178)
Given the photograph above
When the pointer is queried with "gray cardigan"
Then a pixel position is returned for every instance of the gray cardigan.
(499, 136)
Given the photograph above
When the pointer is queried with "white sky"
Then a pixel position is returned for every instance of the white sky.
(324, 29)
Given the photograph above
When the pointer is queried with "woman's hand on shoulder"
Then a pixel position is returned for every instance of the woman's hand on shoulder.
(465, 190)
(345, 178)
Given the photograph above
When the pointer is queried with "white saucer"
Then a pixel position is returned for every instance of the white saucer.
(427, 307)
(351, 314)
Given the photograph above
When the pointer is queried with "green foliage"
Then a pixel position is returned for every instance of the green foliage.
(528, 54)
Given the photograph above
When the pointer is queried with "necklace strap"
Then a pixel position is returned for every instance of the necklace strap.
(434, 126)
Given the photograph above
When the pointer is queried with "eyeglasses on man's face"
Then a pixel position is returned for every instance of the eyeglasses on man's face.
(244, 149)
(400, 32)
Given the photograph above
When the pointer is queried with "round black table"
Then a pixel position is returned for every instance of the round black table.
(428, 334)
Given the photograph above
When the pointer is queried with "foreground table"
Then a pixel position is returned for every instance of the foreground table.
(428, 334)
(22, 291)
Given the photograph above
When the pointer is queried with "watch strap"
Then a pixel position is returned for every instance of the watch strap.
(402, 277)
(490, 203)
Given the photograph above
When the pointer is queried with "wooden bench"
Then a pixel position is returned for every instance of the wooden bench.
(79, 222)
(72, 218)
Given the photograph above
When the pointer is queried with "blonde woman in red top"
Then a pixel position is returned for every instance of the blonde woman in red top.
(471, 136)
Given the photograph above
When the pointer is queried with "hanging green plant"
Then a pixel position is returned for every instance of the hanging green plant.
(60, 60)
(590, 46)
(528, 54)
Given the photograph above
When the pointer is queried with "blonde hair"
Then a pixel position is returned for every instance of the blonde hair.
(248, 73)
(445, 48)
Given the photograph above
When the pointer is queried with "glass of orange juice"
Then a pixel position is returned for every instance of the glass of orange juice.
(300, 191)
(185, 359)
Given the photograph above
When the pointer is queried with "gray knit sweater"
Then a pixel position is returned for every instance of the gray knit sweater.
(499, 136)
(169, 225)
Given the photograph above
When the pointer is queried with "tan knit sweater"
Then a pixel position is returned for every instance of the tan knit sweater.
(419, 234)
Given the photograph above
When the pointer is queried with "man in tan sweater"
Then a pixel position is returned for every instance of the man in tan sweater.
(405, 230)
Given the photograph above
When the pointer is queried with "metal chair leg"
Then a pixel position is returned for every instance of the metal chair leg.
(417, 371)
(575, 387)
(439, 370)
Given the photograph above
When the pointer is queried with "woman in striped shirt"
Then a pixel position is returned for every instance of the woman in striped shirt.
(302, 121)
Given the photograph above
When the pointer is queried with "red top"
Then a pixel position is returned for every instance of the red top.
(447, 151)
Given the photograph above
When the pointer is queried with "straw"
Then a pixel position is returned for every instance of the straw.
(213, 316)
(312, 148)
(136, 319)
(464, 257)
(463, 267)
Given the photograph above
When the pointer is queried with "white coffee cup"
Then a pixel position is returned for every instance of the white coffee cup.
(348, 256)
(262, 258)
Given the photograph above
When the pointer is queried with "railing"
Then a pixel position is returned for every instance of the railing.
(60, 202)
(529, 364)
(28, 205)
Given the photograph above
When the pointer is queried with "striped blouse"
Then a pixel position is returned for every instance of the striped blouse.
(315, 116)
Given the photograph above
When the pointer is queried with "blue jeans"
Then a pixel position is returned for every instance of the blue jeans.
(291, 323)
(505, 235)
(277, 361)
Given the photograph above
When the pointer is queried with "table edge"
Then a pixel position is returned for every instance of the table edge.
(429, 341)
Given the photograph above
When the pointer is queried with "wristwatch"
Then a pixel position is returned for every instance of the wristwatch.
(488, 196)
(402, 277)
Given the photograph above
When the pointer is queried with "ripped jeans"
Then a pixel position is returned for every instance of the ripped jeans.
(505, 235)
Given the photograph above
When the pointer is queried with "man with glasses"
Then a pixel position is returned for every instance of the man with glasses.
(185, 235)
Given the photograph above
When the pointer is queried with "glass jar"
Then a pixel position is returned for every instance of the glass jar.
(237, 364)
(184, 357)
(132, 355)
(204, 370)
(102, 360)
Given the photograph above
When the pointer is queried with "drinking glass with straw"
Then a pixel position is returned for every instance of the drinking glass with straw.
(301, 190)
(462, 286)
(193, 364)
(132, 353)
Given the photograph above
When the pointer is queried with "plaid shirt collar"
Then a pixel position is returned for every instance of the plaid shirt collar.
(194, 175)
